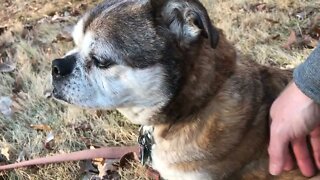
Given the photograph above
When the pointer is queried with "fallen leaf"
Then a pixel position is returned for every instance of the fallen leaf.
(49, 143)
(305, 13)
(41, 127)
(309, 41)
(77, 10)
(301, 15)
(272, 21)
(97, 160)
(50, 137)
(63, 37)
(291, 40)
(275, 37)
(5, 106)
(261, 7)
(127, 159)
(58, 18)
(82, 6)
(258, 7)
(4, 154)
(7, 67)
(100, 168)
(48, 93)
(107, 170)
(3, 29)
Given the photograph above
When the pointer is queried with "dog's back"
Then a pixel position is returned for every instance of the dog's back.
(227, 133)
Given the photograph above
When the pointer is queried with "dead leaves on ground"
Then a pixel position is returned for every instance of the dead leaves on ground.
(12, 33)
(260, 7)
(306, 35)
(6, 157)
(63, 36)
(49, 141)
(305, 24)
(255, 8)
(305, 13)
(7, 35)
(41, 127)
(108, 169)
(4, 154)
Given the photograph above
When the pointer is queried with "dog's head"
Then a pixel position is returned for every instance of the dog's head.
(128, 53)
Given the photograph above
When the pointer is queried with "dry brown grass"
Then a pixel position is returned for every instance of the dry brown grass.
(248, 30)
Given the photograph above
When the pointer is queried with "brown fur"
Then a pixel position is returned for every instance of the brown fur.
(221, 111)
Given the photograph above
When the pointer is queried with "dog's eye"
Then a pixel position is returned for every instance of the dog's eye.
(103, 64)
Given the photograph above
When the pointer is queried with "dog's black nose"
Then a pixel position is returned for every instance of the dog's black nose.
(63, 67)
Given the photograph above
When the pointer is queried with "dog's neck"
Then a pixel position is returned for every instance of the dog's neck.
(141, 115)
(202, 73)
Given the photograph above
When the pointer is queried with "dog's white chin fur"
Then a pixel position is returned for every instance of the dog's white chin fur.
(140, 115)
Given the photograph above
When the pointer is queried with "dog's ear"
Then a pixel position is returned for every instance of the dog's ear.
(188, 20)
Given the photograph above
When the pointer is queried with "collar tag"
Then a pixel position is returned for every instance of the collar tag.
(146, 142)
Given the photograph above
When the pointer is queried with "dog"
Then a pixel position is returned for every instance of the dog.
(163, 65)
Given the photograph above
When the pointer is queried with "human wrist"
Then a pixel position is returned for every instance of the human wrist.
(307, 76)
(305, 86)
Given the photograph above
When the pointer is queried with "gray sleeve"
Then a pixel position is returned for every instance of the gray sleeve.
(307, 76)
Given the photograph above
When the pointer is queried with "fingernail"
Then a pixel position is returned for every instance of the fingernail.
(308, 173)
(274, 169)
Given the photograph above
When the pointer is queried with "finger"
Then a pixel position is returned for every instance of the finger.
(302, 155)
(289, 163)
(315, 143)
(276, 150)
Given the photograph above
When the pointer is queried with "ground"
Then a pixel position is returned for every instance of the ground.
(34, 32)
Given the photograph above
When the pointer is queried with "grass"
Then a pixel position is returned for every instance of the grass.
(31, 40)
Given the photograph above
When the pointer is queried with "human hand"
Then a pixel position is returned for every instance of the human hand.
(294, 116)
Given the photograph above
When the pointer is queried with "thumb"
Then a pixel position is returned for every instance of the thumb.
(278, 148)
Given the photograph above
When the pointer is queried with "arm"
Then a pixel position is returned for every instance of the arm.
(295, 116)
(307, 76)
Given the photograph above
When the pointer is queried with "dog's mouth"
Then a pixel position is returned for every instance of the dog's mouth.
(55, 94)
(52, 93)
